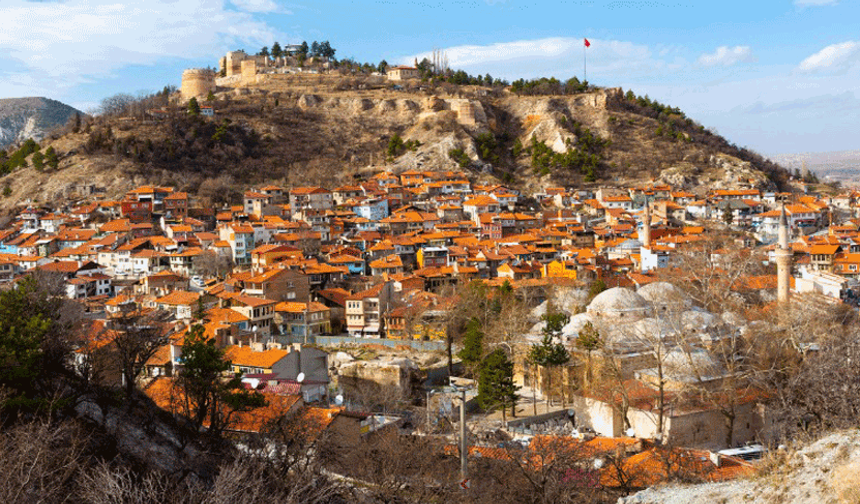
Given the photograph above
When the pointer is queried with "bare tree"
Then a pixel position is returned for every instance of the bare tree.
(137, 337)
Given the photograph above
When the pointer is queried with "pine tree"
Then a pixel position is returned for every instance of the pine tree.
(38, 160)
(548, 353)
(51, 158)
(473, 344)
(193, 107)
(277, 52)
(202, 377)
(496, 383)
(589, 340)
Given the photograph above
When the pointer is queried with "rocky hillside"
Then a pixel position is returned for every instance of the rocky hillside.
(842, 166)
(827, 470)
(23, 118)
(325, 129)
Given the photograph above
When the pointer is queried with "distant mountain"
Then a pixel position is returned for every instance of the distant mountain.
(23, 118)
(842, 166)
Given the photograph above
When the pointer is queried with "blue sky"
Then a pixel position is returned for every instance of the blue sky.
(776, 76)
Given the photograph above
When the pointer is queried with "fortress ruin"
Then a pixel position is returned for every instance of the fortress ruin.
(197, 82)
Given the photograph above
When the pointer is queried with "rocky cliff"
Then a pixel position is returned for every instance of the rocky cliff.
(23, 118)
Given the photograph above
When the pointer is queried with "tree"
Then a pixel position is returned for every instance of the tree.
(496, 383)
(264, 51)
(728, 218)
(596, 288)
(303, 49)
(277, 52)
(51, 158)
(382, 67)
(76, 125)
(473, 347)
(588, 339)
(38, 160)
(210, 392)
(315, 49)
(137, 338)
(193, 107)
(326, 50)
(36, 323)
(210, 97)
(552, 349)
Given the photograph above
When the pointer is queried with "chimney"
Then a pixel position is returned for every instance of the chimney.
(716, 458)
(256, 346)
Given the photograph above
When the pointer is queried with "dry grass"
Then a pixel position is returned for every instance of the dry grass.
(846, 483)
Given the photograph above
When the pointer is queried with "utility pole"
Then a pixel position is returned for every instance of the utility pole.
(464, 450)
(307, 305)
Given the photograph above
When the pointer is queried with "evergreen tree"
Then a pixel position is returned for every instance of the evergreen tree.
(51, 158)
(277, 52)
(382, 67)
(315, 49)
(550, 354)
(212, 393)
(303, 50)
(589, 340)
(473, 344)
(264, 51)
(496, 383)
(193, 107)
(38, 160)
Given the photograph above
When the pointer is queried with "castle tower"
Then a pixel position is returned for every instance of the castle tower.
(783, 260)
(197, 82)
(233, 62)
(646, 226)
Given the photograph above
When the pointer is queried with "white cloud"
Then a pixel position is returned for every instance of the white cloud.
(69, 43)
(814, 3)
(727, 56)
(558, 56)
(256, 5)
(832, 57)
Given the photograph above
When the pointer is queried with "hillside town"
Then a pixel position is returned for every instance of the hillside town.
(300, 284)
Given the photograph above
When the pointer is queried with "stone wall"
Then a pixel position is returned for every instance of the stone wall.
(249, 71)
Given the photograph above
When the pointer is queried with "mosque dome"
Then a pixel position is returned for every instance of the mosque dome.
(619, 302)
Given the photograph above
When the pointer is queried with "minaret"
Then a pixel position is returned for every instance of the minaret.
(646, 227)
(783, 260)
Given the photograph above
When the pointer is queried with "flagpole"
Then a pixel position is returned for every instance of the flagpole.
(584, 63)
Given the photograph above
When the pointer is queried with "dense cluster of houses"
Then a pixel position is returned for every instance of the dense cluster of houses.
(381, 259)
(320, 261)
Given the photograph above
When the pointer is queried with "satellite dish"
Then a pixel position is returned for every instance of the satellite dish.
(338, 399)
(254, 329)
(300, 378)
(630, 432)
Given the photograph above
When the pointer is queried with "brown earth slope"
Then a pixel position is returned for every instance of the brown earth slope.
(328, 130)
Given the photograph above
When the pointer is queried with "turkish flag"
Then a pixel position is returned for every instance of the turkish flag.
(587, 43)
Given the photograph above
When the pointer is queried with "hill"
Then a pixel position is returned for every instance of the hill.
(23, 118)
(841, 166)
(329, 129)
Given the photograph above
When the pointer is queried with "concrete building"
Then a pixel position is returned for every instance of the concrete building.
(400, 73)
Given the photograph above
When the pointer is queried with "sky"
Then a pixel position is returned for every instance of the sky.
(779, 76)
